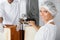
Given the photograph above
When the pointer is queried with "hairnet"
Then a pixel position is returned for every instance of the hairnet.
(50, 7)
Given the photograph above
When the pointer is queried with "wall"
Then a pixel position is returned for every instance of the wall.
(32, 10)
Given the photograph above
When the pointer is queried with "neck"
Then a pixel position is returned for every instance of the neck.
(9, 3)
(47, 20)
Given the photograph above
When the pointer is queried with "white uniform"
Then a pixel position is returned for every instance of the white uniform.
(46, 32)
(10, 12)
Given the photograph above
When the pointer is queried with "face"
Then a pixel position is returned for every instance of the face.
(45, 14)
(10, 1)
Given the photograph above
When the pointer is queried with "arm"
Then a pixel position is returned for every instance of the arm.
(1, 19)
(1, 25)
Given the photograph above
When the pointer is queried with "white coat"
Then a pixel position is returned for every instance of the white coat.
(10, 12)
(46, 32)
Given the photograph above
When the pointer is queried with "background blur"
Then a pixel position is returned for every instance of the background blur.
(32, 10)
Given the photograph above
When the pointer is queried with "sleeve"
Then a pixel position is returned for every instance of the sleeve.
(42, 34)
(49, 34)
(1, 11)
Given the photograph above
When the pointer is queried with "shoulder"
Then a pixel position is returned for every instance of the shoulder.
(51, 26)
(2, 4)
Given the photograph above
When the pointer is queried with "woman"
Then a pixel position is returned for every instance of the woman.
(47, 32)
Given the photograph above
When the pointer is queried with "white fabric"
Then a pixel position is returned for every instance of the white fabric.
(1, 27)
(10, 12)
(30, 33)
(46, 32)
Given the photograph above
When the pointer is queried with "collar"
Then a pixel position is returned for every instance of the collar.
(12, 2)
(50, 21)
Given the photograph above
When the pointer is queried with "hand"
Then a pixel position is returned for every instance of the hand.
(18, 27)
(21, 21)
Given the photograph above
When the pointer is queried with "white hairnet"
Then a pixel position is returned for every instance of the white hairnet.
(50, 7)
